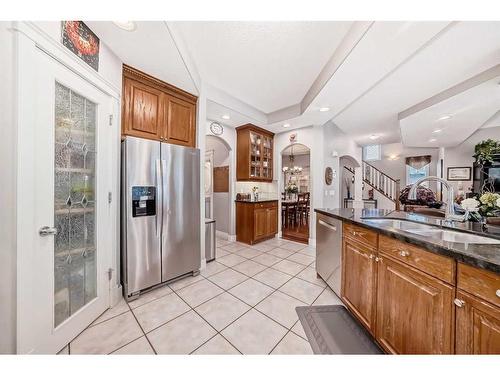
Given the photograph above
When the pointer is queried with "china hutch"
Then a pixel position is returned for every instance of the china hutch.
(254, 154)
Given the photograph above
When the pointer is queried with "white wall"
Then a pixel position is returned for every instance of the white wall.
(335, 141)
(222, 201)
(7, 195)
(110, 71)
(461, 155)
(310, 137)
(229, 137)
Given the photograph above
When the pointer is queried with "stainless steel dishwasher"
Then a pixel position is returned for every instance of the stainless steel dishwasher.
(329, 251)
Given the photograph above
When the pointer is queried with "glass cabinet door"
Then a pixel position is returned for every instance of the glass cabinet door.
(255, 155)
(75, 276)
(267, 158)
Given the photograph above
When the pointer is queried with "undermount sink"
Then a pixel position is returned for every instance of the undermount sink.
(432, 232)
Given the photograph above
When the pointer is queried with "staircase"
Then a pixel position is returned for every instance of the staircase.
(384, 184)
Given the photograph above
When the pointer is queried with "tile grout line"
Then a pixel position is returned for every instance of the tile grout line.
(215, 329)
(130, 309)
(144, 332)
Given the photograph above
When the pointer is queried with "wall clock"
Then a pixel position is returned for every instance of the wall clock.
(216, 128)
(328, 175)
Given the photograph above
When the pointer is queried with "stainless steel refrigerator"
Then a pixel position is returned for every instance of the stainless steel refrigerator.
(160, 213)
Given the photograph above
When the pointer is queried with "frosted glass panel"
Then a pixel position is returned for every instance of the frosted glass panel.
(74, 203)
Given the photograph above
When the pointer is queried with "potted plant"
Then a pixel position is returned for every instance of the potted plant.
(484, 153)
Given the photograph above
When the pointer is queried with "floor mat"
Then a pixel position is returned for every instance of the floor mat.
(333, 330)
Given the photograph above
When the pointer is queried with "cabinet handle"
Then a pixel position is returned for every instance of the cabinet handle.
(498, 293)
(377, 259)
(372, 256)
(459, 302)
(404, 253)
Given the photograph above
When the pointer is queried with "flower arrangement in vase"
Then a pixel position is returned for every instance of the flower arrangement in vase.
(488, 206)
(291, 189)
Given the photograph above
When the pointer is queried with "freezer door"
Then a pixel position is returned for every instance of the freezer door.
(181, 251)
(141, 201)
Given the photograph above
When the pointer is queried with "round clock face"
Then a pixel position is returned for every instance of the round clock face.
(216, 128)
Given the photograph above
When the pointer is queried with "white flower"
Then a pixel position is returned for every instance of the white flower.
(470, 204)
(498, 202)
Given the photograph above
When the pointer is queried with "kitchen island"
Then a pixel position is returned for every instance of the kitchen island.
(418, 284)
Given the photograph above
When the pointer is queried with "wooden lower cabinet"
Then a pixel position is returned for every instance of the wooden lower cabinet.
(260, 223)
(359, 281)
(256, 221)
(477, 326)
(416, 302)
(415, 311)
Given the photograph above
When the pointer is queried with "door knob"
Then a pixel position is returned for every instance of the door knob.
(459, 302)
(47, 231)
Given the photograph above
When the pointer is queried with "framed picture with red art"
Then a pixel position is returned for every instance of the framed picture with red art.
(79, 39)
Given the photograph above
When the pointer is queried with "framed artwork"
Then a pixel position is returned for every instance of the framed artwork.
(79, 39)
(459, 173)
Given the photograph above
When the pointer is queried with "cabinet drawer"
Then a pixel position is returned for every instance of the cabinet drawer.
(265, 205)
(479, 282)
(436, 265)
(366, 236)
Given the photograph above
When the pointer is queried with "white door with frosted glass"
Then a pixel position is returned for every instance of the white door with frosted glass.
(73, 218)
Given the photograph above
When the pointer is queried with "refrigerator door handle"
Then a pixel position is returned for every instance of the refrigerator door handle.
(165, 184)
(159, 195)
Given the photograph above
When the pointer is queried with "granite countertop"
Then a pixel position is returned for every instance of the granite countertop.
(485, 256)
(263, 200)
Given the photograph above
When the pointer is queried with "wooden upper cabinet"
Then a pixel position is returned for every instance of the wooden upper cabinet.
(155, 110)
(359, 281)
(415, 311)
(143, 114)
(254, 153)
(181, 124)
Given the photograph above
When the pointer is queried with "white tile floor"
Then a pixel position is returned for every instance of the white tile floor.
(242, 303)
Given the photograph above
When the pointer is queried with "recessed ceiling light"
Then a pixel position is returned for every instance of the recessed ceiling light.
(324, 109)
(126, 25)
(374, 136)
(438, 131)
(432, 140)
(287, 125)
(226, 117)
(445, 117)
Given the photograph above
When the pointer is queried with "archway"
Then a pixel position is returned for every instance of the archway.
(295, 192)
(347, 168)
(218, 187)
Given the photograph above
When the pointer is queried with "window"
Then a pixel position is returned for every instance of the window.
(414, 174)
(372, 152)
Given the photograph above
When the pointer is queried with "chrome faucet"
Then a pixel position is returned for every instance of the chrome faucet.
(450, 214)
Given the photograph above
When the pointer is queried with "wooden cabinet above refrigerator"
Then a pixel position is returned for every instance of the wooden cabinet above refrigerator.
(153, 109)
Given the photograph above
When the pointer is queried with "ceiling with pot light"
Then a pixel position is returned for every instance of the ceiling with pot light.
(288, 75)
(451, 119)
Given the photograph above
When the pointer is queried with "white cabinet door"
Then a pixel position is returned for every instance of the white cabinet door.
(71, 218)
